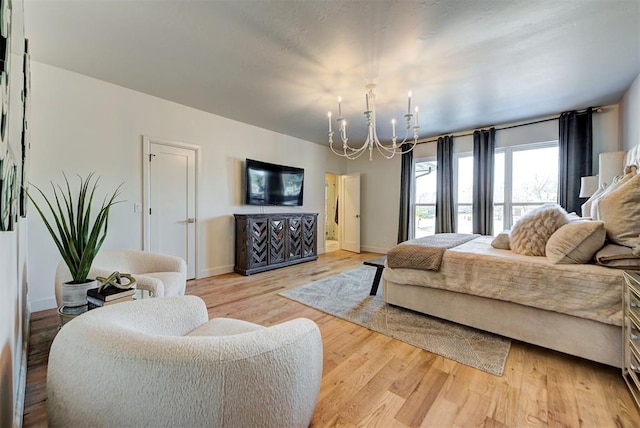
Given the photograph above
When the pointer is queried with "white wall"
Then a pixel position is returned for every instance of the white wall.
(82, 124)
(606, 136)
(379, 201)
(381, 177)
(630, 117)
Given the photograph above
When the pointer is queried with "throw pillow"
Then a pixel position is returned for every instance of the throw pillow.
(620, 211)
(573, 216)
(617, 183)
(530, 234)
(501, 242)
(586, 207)
(576, 242)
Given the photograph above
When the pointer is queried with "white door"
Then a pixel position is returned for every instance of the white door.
(350, 221)
(171, 208)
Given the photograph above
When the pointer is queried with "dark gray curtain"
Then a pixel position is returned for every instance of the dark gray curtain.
(484, 142)
(575, 153)
(406, 190)
(445, 207)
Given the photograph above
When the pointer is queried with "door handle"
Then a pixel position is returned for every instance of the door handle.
(357, 215)
(190, 220)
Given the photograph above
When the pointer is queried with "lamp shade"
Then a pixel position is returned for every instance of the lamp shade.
(588, 186)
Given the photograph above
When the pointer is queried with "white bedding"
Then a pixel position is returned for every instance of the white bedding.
(585, 291)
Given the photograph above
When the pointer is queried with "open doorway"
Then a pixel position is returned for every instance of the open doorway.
(331, 220)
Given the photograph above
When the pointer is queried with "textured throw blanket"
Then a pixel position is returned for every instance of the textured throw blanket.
(425, 253)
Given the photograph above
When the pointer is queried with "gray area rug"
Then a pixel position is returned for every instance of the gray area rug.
(346, 296)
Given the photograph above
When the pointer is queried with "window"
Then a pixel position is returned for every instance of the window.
(463, 182)
(424, 200)
(424, 206)
(525, 177)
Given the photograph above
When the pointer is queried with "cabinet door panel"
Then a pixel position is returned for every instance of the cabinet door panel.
(259, 237)
(309, 236)
(277, 247)
(295, 238)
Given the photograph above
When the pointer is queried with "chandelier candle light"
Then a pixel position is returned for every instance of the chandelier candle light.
(388, 151)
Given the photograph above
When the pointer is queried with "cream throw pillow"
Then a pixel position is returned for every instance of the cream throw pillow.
(617, 183)
(501, 242)
(530, 234)
(586, 207)
(576, 242)
(620, 211)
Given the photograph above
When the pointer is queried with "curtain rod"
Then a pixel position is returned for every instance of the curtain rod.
(595, 110)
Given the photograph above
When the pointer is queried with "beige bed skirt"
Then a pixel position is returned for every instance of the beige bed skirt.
(581, 337)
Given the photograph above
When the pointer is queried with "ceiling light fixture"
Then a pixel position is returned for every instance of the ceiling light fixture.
(388, 151)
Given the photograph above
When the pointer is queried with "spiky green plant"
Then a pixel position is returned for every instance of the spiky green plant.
(75, 232)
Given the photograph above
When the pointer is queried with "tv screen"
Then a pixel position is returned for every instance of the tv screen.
(271, 184)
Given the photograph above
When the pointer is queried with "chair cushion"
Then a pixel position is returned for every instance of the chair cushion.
(224, 327)
(174, 284)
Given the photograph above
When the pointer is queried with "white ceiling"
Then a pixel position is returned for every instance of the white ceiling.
(281, 64)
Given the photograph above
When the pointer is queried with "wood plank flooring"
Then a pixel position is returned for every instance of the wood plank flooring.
(374, 381)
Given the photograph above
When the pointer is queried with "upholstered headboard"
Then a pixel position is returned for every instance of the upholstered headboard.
(612, 164)
(633, 156)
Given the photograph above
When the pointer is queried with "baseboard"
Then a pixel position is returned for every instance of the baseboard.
(42, 304)
(215, 271)
(364, 248)
(371, 249)
(22, 381)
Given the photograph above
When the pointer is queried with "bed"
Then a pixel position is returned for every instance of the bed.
(571, 308)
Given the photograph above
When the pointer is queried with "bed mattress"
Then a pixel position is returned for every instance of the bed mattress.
(476, 268)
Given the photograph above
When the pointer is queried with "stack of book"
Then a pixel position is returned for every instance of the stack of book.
(108, 296)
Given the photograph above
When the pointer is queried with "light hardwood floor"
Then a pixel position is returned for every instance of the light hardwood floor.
(373, 380)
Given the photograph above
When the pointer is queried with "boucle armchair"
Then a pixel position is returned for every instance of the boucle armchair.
(160, 362)
(160, 274)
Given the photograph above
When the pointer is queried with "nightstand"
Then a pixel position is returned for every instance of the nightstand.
(631, 333)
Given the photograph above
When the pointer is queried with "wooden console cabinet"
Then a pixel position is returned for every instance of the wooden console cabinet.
(271, 241)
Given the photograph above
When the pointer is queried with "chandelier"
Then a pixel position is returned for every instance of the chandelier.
(389, 150)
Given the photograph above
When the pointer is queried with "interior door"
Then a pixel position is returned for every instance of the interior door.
(172, 202)
(350, 221)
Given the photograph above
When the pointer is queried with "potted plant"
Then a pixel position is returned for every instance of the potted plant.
(76, 232)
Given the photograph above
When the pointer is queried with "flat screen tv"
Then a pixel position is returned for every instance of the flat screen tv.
(271, 184)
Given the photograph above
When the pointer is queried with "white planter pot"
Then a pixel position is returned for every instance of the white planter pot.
(76, 294)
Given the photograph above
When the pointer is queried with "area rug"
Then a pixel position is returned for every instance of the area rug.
(346, 296)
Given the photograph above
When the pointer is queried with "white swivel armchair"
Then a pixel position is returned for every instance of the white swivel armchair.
(161, 362)
(160, 274)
